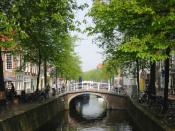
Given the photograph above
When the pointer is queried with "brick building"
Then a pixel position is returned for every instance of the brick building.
(23, 76)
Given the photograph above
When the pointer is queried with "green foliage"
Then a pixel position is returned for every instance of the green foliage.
(46, 25)
(95, 75)
(134, 29)
(66, 61)
(6, 31)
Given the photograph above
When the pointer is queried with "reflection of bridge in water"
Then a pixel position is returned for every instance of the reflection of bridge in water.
(110, 116)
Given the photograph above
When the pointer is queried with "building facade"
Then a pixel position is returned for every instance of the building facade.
(23, 76)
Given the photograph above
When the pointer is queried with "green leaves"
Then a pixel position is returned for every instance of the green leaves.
(65, 59)
(43, 31)
(145, 26)
(6, 32)
(95, 75)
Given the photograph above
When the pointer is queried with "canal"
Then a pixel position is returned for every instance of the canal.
(88, 113)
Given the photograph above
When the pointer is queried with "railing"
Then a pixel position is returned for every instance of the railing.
(41, 95)
(93, 86)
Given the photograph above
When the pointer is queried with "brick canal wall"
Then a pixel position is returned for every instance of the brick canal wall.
(144, 120)
(33, 117)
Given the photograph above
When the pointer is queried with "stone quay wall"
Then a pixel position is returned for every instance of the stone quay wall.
(32, 118)
(143, 119)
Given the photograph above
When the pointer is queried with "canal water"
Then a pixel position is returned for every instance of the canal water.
(88, 113)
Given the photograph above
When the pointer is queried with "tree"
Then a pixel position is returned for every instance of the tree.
(127, 21)
(41, 21)
(6, 40)
(46, 24)
(66, 61)
(146, 26)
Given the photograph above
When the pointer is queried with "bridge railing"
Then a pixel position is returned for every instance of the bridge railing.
(95, 86)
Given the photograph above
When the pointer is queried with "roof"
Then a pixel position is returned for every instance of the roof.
(99, 66)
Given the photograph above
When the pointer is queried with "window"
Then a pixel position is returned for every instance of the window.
(9, 61)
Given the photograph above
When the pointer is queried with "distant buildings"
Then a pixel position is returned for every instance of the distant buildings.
(99, 66)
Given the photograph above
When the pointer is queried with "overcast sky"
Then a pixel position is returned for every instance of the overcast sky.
(88, 52)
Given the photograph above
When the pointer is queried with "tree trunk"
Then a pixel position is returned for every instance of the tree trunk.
(165, 107)
(158, 75)
(39, 70)
(56, 78)
(152, 87)
(138, 83)
(45, 72)
(2, 85)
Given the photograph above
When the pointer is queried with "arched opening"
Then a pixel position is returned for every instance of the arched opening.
(88, 106)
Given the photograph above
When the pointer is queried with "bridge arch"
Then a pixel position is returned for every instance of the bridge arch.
(93, 93)
(113, 101)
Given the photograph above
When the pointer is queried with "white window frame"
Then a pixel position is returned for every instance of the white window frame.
(6, 64)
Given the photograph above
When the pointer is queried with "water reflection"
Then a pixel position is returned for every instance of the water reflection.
(88, 107)
(89, 114)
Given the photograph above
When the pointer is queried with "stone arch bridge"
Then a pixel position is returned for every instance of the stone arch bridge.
(114, 99)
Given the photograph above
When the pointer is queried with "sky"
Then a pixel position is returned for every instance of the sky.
(89, 52)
